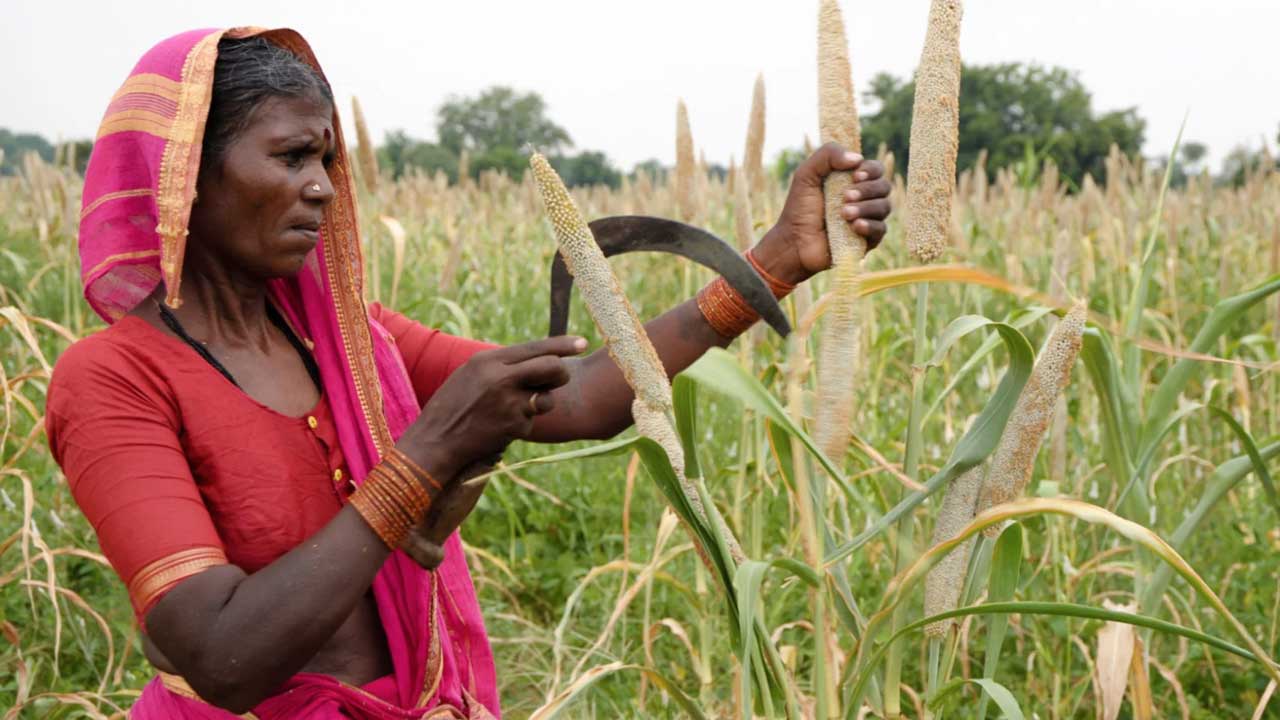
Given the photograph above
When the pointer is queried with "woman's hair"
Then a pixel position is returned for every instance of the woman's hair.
(248, 72)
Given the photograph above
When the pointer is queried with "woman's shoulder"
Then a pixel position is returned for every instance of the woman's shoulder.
(115, 360)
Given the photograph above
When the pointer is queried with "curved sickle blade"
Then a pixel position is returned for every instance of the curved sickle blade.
(636, 233)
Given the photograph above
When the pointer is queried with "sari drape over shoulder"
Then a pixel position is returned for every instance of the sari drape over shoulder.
(139, 190)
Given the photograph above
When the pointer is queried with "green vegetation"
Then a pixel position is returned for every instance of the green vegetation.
(595, 599)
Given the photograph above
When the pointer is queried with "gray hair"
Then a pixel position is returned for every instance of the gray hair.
(248, 72)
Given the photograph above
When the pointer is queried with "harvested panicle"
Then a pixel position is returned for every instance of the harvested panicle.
(935, 129)
(624, 336)
(838, 119)
(686, 203)
(1015, 456)
(368, 159)
(753, 158)
(945, 580)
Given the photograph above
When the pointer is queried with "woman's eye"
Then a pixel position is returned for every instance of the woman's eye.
(293, 158)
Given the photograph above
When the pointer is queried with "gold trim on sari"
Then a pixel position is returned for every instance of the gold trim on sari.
(180, 164)
(345, 268)
(178, 685)
(150, 84)
(108, 197)
(135, 120)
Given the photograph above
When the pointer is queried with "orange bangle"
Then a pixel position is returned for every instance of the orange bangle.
(392, 500)
(780, 288)
(400, 456)
(726, 311)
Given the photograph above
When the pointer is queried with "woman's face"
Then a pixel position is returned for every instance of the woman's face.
(258, 212)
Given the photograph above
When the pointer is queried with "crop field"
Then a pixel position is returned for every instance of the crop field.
(1137, 570)
(1017, 462)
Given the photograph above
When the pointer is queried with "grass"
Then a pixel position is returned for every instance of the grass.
(599, 606)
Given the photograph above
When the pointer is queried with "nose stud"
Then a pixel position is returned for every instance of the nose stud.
(315, 187)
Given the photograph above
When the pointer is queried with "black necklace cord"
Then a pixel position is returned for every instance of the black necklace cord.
(276, 319)
(307, 359)
(169, 319)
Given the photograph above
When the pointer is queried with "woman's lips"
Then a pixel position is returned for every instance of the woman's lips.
(311, 231)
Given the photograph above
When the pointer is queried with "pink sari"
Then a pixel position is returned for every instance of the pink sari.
(139, 189)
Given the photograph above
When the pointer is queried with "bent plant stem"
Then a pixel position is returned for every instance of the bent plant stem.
(910, 466)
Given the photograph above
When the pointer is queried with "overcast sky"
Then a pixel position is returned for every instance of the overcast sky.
(611, 71)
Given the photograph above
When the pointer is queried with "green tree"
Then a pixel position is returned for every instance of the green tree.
(652, 167)
(496, 127)
(1005, 109)
(589, 167)
(16, 145)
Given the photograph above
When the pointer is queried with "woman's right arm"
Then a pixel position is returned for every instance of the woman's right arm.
(234, 636)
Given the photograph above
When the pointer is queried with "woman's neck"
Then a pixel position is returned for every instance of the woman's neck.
(221, 307)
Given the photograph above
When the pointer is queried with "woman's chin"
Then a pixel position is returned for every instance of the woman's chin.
(288, 265)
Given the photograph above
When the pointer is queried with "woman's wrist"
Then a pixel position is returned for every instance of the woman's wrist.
(409, 467)
(433, 458)
(392, 499)
(777, 256)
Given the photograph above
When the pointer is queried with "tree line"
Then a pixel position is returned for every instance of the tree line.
(1020, 114)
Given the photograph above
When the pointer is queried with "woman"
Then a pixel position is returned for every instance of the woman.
(253, 445)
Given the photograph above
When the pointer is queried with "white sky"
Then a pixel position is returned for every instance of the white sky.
(611, 71)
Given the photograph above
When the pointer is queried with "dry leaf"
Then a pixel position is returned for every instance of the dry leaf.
(1115, 653)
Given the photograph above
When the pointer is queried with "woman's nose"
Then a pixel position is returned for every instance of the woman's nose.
(318, 189)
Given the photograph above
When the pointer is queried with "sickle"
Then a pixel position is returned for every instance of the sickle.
(639, 233)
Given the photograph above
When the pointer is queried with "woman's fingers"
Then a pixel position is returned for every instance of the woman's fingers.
(870, 230)
(542, 373)
(877, 209)
(869, 190)
(823, 162)
(868, 170)
(560, 345)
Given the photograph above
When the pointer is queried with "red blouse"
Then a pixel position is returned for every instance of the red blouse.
(177, 469)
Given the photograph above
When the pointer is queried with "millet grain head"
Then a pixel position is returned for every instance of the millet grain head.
(945, 580)
(935, 133)
(753, 157)
(1015, 455)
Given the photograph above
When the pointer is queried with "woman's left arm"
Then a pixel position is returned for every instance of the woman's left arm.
(596, 402)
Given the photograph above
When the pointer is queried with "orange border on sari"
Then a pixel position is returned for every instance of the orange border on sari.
(151, 84)
(137, 254)
(180, 164)
(135, 120)
(108, 197)
(344, 266)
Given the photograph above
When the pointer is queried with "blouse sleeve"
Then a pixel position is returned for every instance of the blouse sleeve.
(429, 355)
(116, 436)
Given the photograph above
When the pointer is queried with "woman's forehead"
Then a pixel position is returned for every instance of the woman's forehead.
(289, 116)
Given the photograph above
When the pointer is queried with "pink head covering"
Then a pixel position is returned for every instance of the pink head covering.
(139, 189)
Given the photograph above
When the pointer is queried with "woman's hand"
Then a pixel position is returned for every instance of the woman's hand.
(796, 247)
(485, 404)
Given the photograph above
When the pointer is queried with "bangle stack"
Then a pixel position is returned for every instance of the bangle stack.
(727, 311)
(393, 499)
